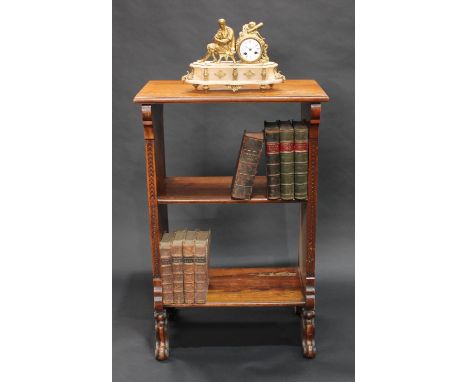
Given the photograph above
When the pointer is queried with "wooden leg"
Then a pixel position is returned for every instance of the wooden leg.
(311, 113)
(152, 116)
(308, 332)
(161, 350)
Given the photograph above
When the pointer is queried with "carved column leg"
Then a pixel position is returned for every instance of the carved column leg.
(311, 113)
(161, 350)
(308, 332)
(155, 173)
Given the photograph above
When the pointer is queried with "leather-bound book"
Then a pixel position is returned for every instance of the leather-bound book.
(178, 266)
(247, 164)
(166, 268)
(188, 251)
(271, 132)
(202, 251)
(301, 155)
(287, 159)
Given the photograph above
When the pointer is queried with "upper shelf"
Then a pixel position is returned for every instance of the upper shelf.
(209, 189)
(179, 92)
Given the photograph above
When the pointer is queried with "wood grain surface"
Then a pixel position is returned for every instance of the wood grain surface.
(232, 287)
(235, 287)
(173, 91)
(210, 189)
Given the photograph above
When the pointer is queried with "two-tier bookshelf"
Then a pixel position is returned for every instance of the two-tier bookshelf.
(232, 287)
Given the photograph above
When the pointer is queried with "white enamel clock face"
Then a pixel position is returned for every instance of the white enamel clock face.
(250, 50)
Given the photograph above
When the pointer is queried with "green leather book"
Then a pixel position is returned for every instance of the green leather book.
(301, 155)
(287, 159)
(271, 132)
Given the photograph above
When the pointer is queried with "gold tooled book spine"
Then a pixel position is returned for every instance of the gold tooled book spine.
(202, 247)
(188, 250)
(301, 152)
(287, 160)
(166, 268)
(178, 266)
(273, 163)
(247, 165)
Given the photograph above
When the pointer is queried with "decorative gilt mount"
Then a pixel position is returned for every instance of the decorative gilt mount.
(252, 66)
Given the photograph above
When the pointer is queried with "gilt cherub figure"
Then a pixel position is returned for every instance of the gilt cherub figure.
(252, 28)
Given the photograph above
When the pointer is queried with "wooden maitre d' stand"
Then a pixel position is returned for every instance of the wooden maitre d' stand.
(232, 287)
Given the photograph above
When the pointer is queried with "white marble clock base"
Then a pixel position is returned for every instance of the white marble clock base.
(210, 74)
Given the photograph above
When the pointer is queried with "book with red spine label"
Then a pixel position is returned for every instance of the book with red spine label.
(301, 159)
(287, 160)
(272, 151)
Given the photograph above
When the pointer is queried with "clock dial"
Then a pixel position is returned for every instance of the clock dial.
(250, 50)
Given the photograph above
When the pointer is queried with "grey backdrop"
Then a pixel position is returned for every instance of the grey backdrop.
(157, 40)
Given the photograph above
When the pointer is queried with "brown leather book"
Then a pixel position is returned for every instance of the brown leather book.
(202, 251)
(247, 165)
(166, 268)
(188, 251)
(178, 266)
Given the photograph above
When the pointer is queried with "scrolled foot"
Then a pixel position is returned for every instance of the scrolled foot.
(161, 350)
(308, 331)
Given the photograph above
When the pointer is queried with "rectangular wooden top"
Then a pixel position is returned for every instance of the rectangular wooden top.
(179, 92)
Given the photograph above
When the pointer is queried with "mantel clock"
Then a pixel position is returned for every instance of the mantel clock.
(219, 66)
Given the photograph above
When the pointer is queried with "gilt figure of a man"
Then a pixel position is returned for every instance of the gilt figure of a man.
(223, 45)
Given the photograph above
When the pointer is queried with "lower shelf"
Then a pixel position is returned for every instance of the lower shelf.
(244, 287)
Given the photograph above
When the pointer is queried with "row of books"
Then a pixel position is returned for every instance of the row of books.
(286, 160)
(185, 257)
